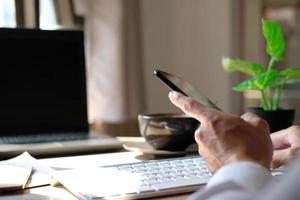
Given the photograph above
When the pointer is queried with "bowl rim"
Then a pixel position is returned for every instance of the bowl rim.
(162, 115)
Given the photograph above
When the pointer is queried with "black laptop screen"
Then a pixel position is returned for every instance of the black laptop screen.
(42, 82)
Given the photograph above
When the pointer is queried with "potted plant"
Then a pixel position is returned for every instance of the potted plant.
(266, 79)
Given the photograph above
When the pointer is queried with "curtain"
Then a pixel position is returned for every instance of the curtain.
(114, 63)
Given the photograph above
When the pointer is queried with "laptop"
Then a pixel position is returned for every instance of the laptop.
(43, 101)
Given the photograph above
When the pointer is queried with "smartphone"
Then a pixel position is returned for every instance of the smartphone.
(180, 85)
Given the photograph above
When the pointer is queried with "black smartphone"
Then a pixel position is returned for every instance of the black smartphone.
(180, 85)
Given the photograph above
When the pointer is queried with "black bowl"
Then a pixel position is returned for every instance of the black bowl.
(172, 132)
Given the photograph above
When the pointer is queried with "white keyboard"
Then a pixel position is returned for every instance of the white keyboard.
(168, 173)
(175, 175)
(140, 180)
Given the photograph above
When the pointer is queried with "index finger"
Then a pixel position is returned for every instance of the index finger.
(192, 107)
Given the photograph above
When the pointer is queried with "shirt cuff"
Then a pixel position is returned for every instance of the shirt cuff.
(248, 175)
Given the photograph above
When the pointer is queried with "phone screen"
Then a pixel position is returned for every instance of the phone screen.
(180, 85)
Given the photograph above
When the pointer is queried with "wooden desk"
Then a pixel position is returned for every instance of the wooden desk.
(59, 193)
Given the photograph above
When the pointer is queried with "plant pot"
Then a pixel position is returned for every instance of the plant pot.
(278, 120)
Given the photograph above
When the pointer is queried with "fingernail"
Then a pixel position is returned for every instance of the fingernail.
(172, 94)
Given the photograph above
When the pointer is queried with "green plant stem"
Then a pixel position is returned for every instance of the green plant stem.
(263, 100)
(271, 62)
(277, 95)
(267, 99)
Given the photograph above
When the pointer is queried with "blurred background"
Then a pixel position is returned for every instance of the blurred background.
(125, 40)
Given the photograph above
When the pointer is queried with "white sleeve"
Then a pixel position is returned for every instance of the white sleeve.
(240, 180)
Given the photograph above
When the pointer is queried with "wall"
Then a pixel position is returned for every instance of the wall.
(189, 39)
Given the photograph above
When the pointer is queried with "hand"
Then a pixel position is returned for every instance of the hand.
(224, 138)
(286, 144)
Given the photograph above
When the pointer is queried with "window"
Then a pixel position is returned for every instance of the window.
(7, 13)
(44, 14)
(48, 16)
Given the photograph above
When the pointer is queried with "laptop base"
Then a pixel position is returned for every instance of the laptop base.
(98, 144)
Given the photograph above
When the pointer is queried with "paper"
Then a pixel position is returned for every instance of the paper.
(98, 182)
(14, 177)
(40, 173)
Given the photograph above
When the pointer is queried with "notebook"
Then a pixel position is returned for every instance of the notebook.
(43, 102)
(14, 177)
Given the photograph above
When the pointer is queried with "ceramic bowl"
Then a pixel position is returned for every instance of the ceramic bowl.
(163, 131)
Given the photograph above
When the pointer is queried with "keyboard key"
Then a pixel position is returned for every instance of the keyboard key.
(38, 138)
(148, 188)
(152, 181)
(179, 177)
(167, 179)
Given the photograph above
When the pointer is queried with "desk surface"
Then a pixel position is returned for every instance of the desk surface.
(57, 193)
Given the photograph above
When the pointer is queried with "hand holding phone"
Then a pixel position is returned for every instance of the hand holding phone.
(180, 85)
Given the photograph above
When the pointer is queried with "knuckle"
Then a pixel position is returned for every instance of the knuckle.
(263, 123)
(198, 135)
(189, 105)
(213, 124)
(214, 119)
(254, 118)
(295, 128)
(250, 115)
(290, 153)
(217, 121)
(294, 151)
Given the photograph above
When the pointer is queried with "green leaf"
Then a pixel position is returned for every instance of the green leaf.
(260, 82)
(293, 81)
(274, 38)
(267, 79)
(291, 72)
(232, 65)
(246, 85)
(280, 80)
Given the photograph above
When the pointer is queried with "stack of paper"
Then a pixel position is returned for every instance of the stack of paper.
(23, 171)
(13, 176)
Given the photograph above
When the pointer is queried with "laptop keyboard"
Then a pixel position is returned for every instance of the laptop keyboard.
(27, 139)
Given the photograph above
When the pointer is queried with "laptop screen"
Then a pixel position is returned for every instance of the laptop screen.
(42, 82)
